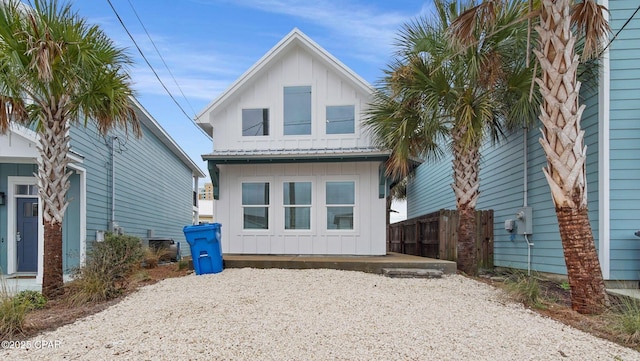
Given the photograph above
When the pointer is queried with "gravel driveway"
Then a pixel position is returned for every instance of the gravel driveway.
(275, 314)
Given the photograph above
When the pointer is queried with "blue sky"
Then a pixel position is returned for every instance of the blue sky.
(208, 44)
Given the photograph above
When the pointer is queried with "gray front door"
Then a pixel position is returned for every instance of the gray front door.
(27, 234)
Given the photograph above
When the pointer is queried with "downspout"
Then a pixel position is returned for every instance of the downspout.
(526, 165)
(526, 194)
(196, 201)
(113, 183)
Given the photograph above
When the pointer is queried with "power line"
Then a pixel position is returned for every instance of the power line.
(615, 36)
(161, 57)
(154, 71)
(620, 30)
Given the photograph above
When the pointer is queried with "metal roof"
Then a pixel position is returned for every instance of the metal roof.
(297, 155)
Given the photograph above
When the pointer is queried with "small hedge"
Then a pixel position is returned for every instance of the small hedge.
(32, 300)
(108, 266)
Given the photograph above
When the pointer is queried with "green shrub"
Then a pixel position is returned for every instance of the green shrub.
(626, 317)
(153, 256)
(141, 276)
(182, 264)
(90, 288)
(525, 288)
(33, 300)
(12, 314)
(105, 274)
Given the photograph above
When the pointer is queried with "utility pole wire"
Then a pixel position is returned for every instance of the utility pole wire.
(154, 71)
(161, 57)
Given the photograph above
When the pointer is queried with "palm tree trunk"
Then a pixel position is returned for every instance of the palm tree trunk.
(563, 143)
(581, 258)
(467, 253)
(466, 183)
(53, 183)
(52, 280)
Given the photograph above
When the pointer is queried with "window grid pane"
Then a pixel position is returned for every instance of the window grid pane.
(340, 119)
(340, 193)
(255, 122)
(256, 217)
(297, 110)
(297, 218)
(339, 217)
(296, 193)
(255, 194)
(26, 189)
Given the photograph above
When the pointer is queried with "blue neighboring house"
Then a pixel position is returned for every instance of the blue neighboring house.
(511, 173)
(145, 187)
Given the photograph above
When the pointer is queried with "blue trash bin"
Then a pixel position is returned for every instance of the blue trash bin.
(206, 250)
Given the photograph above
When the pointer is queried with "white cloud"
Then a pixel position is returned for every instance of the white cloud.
(360, 26)
(199, 73)
(204, 68)
(192, 86)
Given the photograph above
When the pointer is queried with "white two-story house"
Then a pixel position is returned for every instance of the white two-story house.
(293, 169)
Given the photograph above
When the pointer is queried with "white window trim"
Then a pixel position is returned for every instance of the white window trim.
(356, 220)
(313, 206)
(83, 211)
(249, 137)
(313, 113)
(356, 120)
(269, 206)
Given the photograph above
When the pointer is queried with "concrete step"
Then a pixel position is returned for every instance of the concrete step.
(411, 273)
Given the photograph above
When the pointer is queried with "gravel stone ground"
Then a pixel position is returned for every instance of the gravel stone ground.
(276, 314)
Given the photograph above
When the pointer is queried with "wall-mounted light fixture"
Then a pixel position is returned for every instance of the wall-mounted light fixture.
(638, 233)
(2, 199)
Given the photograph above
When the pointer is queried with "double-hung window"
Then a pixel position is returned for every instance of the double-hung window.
(297, 205)
(255, 205)
(297, 110)
(340, 202)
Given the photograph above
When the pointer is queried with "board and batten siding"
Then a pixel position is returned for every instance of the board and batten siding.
(367, 237)
(502, 189)
(296, 67)
(153, 187)
(624, 152)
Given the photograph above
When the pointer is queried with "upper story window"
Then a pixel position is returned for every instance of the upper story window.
(340, 119)
(297, 110)
(297, 205)
(255, 205)
(255, 122)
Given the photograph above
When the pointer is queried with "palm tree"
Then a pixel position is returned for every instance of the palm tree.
(56, 70)
(562, 137)
(435, 93)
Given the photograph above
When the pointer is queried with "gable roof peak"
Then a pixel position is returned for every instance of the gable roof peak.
(295, 36)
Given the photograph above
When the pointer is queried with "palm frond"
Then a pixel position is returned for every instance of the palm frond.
(464, 28)
(589, 20)
(434, 87)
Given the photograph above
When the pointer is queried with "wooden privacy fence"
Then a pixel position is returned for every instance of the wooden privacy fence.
(435, 235)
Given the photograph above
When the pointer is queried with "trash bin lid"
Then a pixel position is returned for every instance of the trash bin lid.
(201, 227)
